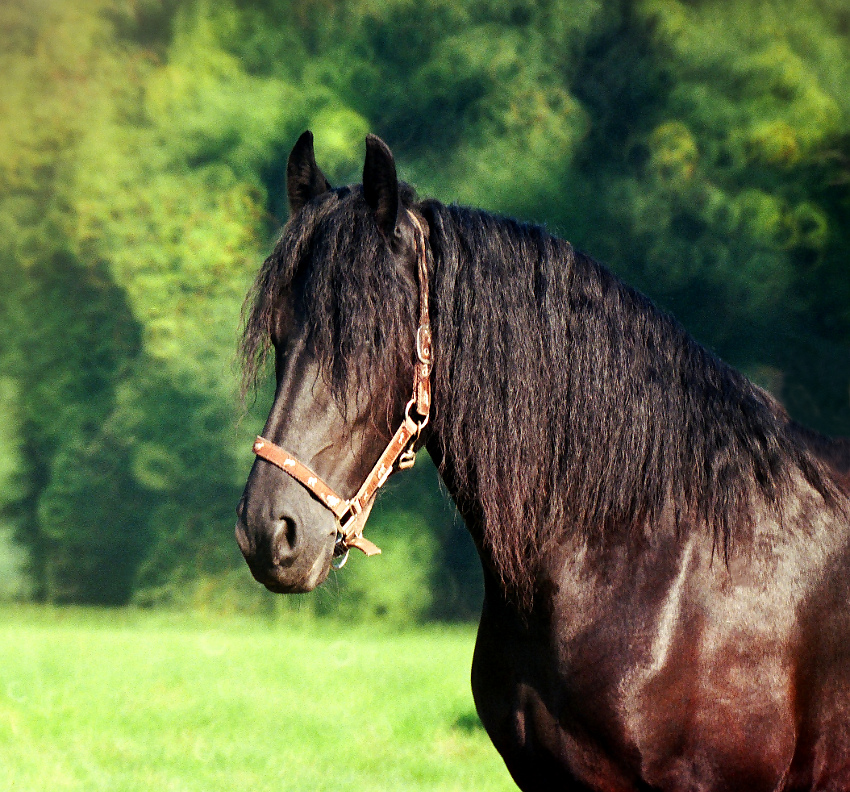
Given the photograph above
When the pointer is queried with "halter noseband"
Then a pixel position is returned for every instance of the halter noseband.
(351, 514)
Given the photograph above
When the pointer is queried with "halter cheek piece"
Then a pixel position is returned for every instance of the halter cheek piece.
(351, 514)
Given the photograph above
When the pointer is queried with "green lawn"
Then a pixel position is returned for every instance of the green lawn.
(154, 702)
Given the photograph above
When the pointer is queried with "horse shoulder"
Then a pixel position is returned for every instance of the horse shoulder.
(822, 760)
(662, 665)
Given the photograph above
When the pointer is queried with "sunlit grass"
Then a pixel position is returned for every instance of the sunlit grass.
(137, 701)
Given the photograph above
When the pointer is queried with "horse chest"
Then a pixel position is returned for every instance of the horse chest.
(536, 716)
(622, 685)
(553, 722)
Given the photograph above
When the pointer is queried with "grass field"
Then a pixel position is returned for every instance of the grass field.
(152, 702)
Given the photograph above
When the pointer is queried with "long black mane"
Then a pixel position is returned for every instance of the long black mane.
(564, 400)
(359, 310)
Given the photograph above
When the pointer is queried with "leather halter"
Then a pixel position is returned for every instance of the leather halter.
(351, 513)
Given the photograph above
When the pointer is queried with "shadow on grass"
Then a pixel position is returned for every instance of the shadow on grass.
(468, 723)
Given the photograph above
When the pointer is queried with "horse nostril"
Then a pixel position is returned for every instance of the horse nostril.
(285, 540)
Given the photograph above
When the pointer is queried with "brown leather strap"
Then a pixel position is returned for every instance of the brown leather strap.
(301, 473)
(363, 545)
(353, 536)
(422, 372)
(351, 514)
(384, 466)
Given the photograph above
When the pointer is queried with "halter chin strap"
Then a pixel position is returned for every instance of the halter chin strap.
(351, 514)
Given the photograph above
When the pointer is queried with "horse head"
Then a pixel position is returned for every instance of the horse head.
(336, 303)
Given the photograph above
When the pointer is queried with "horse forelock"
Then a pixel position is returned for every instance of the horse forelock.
(355, 305)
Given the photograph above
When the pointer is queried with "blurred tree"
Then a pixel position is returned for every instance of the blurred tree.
(715, 178)
(701, 149)
(67, 334)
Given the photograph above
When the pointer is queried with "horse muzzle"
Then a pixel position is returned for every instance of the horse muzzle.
(281, 551)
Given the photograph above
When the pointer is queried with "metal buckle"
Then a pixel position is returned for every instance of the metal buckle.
(423, 344)
(407, 458)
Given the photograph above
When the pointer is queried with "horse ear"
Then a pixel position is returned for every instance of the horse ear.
(304, 180)
(380, 184)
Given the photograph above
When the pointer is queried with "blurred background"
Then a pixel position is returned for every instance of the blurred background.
(700, 148)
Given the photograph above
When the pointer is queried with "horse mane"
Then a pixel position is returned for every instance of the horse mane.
(567, 401)
(564, 400)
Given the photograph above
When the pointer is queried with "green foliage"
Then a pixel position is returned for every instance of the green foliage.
(720, 187)
(701, 149)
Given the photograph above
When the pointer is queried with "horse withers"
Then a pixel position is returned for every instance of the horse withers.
(665, 552)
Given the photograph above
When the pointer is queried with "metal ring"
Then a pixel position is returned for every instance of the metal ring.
(340, 552)
(420, 425)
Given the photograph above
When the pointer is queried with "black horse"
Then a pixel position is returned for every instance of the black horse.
(665, 553)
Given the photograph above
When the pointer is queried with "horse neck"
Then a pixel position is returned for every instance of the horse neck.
(600, 376)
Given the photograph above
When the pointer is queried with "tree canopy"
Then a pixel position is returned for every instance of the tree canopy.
(700, 149)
